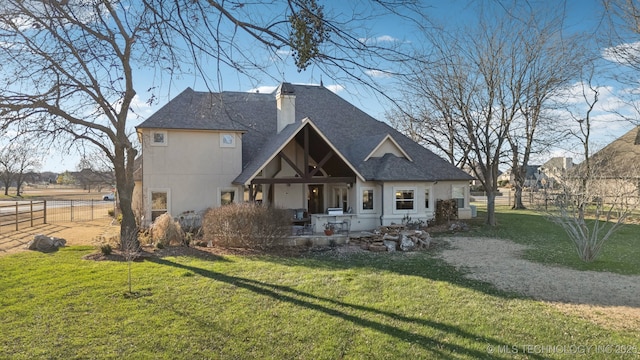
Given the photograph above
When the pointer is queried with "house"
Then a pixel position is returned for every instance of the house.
(555, 170)
(614, 169)
(301, 147)
(532, 176)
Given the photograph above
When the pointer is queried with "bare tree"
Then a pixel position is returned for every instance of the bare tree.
(431, 123)
(7, 169)
(487, 83)
(16, 161)
(94, 171)
(69, 67)
(598, 195)
(552, 63)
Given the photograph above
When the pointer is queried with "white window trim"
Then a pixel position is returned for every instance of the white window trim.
(227, 145)
(361, 199)
(430, 189)
(415, 199)
(464, 195)
(227, 189)
(150, 192)
(165, 137)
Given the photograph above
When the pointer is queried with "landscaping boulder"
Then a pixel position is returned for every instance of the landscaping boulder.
(391, 245)
(406, 244)
(45, 243)
(458, 226)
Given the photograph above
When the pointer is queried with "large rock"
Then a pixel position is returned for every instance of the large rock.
(406, 244)
(46, 243)
(391, 245)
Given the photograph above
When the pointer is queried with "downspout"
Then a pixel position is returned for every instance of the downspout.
(382, 210)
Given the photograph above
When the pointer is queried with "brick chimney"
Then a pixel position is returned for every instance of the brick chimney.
(286, 105)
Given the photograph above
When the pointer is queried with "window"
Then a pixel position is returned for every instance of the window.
(457, 193)
(405, 199)
(227, 140)
(427, 193)
(159, 138)
(367, 199)
(341, 198)
(227, 197)
(159, 203)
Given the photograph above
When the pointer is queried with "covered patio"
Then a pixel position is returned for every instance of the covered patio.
(310, 177)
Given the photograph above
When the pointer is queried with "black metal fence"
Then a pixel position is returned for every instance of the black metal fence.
(16, 215)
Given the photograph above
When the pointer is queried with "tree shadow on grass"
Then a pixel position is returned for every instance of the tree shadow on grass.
(357, 314)
(421, 263)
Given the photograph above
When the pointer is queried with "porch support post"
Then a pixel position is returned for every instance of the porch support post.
(251, 194)
(306, 151)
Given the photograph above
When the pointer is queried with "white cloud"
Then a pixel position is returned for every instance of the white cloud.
(140, 109)
(624, 54)
(386, 38)
(379, 39)
(378, 73)
(265, 89)
(284, 52)
(336, 88)
(268, 89)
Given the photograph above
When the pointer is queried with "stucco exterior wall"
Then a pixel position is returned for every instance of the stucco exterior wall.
(193, 167)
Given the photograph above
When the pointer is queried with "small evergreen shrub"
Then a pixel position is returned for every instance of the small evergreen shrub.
(246, 225)
(106, 249)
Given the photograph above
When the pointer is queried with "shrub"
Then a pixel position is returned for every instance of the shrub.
(246, 225)
(412, 224)
(191, 224)
(446, 210)
(106, 249)
(166, 231)
(190, 221)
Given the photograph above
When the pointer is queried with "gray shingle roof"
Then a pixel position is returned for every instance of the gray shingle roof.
(619, 159)
(353, 132)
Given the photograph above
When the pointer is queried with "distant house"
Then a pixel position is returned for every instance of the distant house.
(301, 147)
(532, 177)
(555, 169)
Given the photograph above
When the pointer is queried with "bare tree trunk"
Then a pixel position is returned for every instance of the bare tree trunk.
(491, 208)
(124, 186)
(517, 197)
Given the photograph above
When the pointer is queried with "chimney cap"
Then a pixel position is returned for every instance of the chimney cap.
(286, 89)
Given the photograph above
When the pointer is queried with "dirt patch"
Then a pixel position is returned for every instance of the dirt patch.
(602, 297)
(75, 233)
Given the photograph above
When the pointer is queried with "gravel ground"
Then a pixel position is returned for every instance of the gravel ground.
(606, 298)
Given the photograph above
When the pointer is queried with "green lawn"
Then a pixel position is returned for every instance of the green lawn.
(323, 306)
(551, 245)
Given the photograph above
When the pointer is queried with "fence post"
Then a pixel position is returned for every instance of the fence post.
(44, 204)
(31, 212)
(16, 216)
(92, 209)
(71, 210)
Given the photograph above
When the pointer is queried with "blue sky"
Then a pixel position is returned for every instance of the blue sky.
(582, 15)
